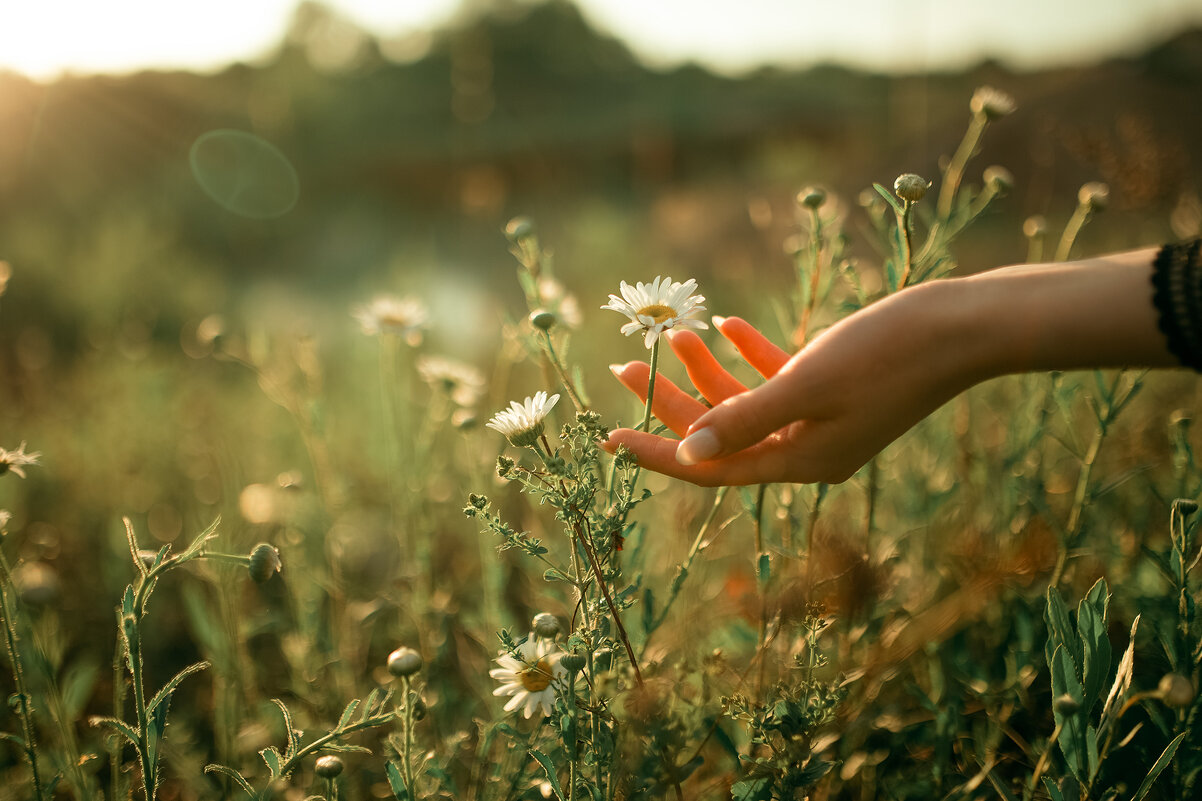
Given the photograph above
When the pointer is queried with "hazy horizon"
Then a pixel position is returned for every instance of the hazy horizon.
(56, 37)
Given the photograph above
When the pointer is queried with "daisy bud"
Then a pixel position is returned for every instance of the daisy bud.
(1034, 226)
(992, 103)
(404, 662)
(1066, 705)
(1185, 506)
(998, 179)
(328, 766)
(519, 228)
(545, 625)
(573, 663)
(910, 187)
(1095, 195)
(419, 709)
(812, 197)
(264, 562)
(543, 320)
(1176, 690)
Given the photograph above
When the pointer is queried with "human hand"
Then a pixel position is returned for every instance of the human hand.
(822, 413)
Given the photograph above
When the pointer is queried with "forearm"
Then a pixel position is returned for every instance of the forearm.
(1091, 313)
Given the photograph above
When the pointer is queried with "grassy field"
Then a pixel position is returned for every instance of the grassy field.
(269, 547)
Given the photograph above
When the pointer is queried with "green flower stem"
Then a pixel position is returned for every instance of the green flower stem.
(23, 710)
(1071, 229)
(562, 372)
(761, 587)
(1080, 496)
(575, 753)
(955, 168)
(646, 424)
(907, 245)
(321, 742)
(609, 601)
(407, 741)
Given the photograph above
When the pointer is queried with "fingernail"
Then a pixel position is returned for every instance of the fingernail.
(718, 321)
(698, 446)
(616, 368)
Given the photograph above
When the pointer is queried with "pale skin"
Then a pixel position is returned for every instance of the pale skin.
(823, 412)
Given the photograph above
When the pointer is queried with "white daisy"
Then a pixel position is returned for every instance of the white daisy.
(653, 308)
(522, 423)
(15, 461)
(464, 383)
(405, 317)
(531, 679)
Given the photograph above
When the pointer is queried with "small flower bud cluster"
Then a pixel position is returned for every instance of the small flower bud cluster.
(811, 197)
(545, 625)
(1095, 195)
(328, 766)
(910, 187)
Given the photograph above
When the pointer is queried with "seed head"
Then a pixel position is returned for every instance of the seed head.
(1176, 690)
(573, 662)
(543, 320)
(404, 662)
(992, 103)
(812, 197)
(519, 228)
(328, 766)
(998, 179)
(545, 625)
(264, 562)
(1066, 705)
(1095, 195)
(1185, 506)
(1034, 226)
(910, 187)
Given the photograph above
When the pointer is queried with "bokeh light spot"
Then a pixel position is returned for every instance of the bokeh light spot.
(244, 174)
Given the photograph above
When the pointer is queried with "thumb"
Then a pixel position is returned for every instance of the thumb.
(741, 421)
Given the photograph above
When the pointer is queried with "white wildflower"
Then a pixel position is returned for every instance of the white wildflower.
(530, 679)
(403, 317)
(522, 423)
(653, 308)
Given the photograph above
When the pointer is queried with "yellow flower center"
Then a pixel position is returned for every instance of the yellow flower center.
(536, 679)
(657, 311)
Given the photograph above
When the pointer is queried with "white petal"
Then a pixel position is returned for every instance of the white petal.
(517, 701)
(508, 689)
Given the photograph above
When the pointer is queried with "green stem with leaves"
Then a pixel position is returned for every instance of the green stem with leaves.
(24, 712)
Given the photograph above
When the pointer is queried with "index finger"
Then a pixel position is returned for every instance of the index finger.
(753, 346)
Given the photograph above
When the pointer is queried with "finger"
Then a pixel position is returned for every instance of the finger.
(742, 421)
(774, 460)
(675, 408)
(710, 378)
(756, 348)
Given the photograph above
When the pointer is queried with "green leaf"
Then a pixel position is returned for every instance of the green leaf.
(77, 685)
(233, 774)
(1000, 787)
(1053, 789)
(168, 688)
(132, 540)
(552, 574)
(1060, 628)
(1072, 734)
(764, 570)
(271, 756)
(373, 698)
(396, 782)
(1095, 647)
(198, 544)
(120, 726)
(12, 738)
(757, 788)
(1161, 763)
(348, 713)
(127, 601)
(549, 767)
(293, 742)
(889, 198)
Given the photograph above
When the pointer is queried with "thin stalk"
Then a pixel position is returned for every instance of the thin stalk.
(907, 245)
(1076, 513)
(761, 586)
(646, 424)
(562, 372)
(23, 710)
(1071, 230)
(955, 168)
(609, 601)
(1042, 764)
(683, 571)
(407, 741)
(575, 757)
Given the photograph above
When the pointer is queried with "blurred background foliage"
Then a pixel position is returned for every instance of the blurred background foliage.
(409, 157)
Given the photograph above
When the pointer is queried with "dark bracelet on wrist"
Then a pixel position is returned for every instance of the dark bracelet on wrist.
(1177, 296)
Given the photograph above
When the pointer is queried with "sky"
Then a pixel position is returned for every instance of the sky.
(45, 38)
